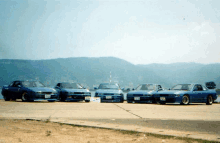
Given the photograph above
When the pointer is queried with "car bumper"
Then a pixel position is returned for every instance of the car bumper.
(140, 99)
(44, 98)
(167, 99)
(78, 97)
(111, 98)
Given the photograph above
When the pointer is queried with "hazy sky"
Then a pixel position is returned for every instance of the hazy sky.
(141, 32)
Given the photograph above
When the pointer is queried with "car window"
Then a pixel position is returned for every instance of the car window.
(71, 85)
(11, 84)
(160, 87)
(182, 87)
(146, 87)
(32, 84)
(108, 86)
(16, 84)
(58, 84)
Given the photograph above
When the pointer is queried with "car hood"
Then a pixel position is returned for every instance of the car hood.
(74, 90)
(142, 92)
(42, 89)
(172, 92)
(109, 91)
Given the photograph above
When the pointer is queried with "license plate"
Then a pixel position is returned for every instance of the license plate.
(87, 98)
(47, 96)
(108, 97)
(136, 98)
(162, 99)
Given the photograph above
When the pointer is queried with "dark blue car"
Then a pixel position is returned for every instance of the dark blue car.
(144, 93)
(109, 92)
(187, 93)
(72, 92)
(28, 91)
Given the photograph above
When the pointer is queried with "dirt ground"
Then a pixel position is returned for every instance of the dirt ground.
(29, 131)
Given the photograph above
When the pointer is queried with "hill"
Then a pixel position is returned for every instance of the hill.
(93, 71)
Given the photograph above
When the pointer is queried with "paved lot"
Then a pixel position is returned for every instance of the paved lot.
(196, 120)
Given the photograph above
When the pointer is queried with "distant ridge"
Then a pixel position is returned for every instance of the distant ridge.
(92, 71)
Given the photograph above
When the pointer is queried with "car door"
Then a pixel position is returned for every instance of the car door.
(199, 93)
(194, 96)
(15, 89)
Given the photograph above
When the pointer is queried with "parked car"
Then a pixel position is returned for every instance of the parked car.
(28, 91)
(144, 93)
(109, 92)
(187, 93)
(72, 92)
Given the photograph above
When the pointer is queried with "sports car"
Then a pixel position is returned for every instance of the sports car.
(144, 93)
(72, 92)
(28, 91)
(187, 93)
(109, 92)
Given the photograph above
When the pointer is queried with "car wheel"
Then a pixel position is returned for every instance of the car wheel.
(162, 103)
(62, 99)
(128, 101)
(87, 101)
(24, 97)
(122, 100)
(209, 100)
(6, 97)
(185, 100)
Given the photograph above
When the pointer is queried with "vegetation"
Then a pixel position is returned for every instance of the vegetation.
(93, 71)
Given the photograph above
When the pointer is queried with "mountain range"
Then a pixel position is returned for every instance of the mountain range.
(93, 71)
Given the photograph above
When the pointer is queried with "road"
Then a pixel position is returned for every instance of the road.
(195, 120)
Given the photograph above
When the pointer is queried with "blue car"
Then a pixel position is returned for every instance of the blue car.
(144, 93)
(72, 92)
(187, 93)
(28, 91)
(110, 92)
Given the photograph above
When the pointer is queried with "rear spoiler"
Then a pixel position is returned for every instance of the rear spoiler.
(210, 85)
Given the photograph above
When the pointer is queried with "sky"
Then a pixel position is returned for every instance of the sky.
(138, 31)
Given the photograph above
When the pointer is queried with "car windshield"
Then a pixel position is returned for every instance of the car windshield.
(32, 84)
(146, 87)
(71, 85)
(108, 86)
(182, 87)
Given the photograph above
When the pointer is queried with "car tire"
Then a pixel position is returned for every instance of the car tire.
(162, 103)
(209, 100)
(128, 101)
(87, 101)
(24, 97)
(62, 99)
(6, 97)
(122, 100)
(185, 100)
